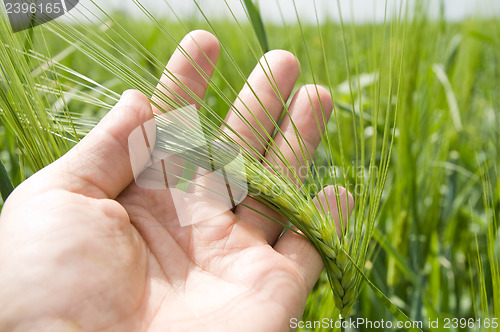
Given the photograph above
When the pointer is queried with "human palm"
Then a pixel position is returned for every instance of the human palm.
(82, 247)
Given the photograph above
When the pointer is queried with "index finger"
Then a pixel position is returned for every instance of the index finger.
(187, 74)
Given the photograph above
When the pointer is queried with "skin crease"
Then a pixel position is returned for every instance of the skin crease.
(82, 248)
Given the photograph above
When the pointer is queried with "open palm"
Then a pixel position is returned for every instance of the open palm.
(84, 248)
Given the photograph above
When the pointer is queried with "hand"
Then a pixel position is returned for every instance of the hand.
(83, 248)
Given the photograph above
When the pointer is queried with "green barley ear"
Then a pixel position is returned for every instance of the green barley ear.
(301, 211)
(25, 104)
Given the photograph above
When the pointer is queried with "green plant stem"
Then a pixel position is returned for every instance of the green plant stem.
(6, 186)
(257, 24)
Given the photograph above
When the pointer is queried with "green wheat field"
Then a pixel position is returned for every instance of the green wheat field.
(415, 137)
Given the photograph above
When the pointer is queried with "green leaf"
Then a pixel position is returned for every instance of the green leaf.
(6, 186)
(400, 315)
(258, 26)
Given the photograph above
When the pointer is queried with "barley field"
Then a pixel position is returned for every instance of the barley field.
(414, 137)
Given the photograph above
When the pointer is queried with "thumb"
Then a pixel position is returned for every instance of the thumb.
(327, 202)
(99, 166)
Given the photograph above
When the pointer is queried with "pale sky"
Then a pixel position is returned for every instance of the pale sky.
(360, 10)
